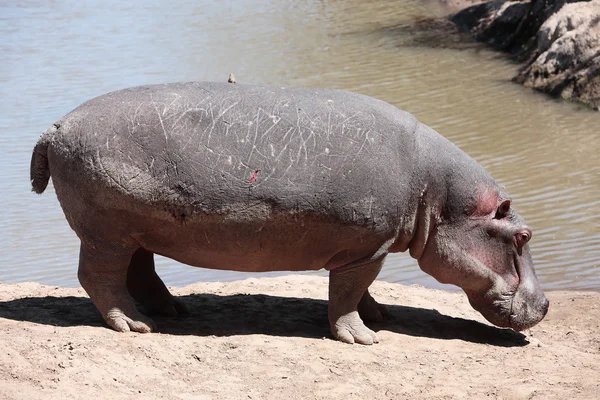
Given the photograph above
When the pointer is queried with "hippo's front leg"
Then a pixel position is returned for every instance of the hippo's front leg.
(347, 286)
(103, 275)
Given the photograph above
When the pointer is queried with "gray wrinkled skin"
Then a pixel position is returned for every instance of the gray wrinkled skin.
(250, 178)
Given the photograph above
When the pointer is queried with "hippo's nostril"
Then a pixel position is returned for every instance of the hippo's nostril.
(523, 236)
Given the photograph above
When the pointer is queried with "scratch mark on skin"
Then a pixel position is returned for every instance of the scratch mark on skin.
(302, 146)
(305, 198)
(227, 129)
(206, 236)
(187, 143)
(170, 104)
(260, 154)
(250, 206)
(303, 236)
(328, 132)
(232, 176)
(130, 126)
(292, 184)
(210, 113)
(132, 118)
(365, 140)
(160, 118)
(137, 110)
(192, 109)
(286, 134)
(349, 118)
(255, 135)
(119, 184)
(241, 163)
(325, 166)
(214, 121)
(275, 120)
(189, 110)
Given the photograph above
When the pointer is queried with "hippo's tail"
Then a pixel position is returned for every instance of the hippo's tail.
(40, 170)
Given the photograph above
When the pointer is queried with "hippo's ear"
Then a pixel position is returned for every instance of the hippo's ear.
(503, 209)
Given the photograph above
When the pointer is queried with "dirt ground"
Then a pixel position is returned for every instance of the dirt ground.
(268, 339)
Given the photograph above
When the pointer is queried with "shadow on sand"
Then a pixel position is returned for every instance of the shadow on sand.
(261, 314)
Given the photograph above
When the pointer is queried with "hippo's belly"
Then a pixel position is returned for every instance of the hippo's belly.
(285, 242)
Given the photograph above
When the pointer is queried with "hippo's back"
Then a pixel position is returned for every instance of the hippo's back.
(213, 147)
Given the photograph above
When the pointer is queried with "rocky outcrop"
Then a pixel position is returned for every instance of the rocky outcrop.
(559, 42)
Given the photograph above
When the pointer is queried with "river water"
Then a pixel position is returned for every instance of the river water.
(57, 54)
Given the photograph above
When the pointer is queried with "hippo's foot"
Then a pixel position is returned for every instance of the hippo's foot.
(103, 275)
(130, 320)
(146, 287)
(348, 296)
(349, 328)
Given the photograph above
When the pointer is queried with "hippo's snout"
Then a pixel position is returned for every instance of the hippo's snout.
(528, 310)
(546, 306)
(519, 311)
(529, 304)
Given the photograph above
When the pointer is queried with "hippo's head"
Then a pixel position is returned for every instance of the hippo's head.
(480, 245)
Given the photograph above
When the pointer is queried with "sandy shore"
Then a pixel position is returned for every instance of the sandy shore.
(269, 339)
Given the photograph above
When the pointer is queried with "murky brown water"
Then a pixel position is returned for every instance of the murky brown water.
(58, 54)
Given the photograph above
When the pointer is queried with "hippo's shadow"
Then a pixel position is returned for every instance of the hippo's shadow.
(261, 314)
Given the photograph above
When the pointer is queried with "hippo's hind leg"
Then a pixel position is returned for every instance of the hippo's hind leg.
(103, 274)
(370, 310)
(148, 289)
(347, 287)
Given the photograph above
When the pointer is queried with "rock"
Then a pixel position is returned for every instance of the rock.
(496, 23)
(568, 64)
(559, 41)
(457, 5)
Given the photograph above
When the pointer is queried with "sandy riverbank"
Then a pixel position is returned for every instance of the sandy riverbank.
(268, 339)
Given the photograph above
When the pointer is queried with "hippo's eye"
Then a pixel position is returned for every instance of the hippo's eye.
(503, 209)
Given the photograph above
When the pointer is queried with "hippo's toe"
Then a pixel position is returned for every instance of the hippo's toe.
(350, 329)
(134, 321)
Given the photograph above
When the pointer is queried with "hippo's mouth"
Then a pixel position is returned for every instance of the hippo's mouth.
(517, 324)
(514, 322)
(512, 317)
(500, 308)
(498, 311)
(527, 307)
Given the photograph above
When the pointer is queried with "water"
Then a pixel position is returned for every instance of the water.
(58, 54)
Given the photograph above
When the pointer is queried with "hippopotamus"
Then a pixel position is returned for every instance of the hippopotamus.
(249, 178)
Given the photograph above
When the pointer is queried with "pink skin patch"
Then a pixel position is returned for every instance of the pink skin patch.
(487, 200)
